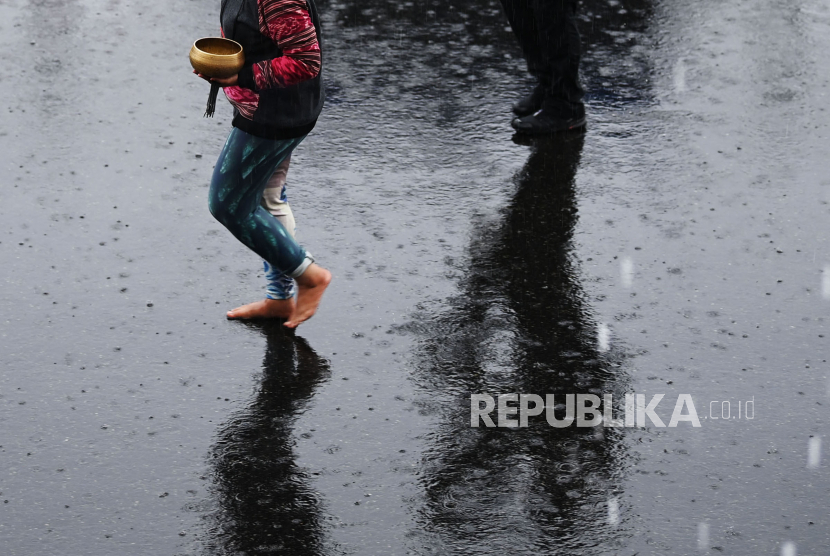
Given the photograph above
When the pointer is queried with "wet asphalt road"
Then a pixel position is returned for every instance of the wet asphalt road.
(688, 224)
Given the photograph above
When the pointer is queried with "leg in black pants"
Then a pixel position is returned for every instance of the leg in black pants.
(549, 38)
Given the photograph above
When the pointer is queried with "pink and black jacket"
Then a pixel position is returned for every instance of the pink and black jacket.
(279, 94)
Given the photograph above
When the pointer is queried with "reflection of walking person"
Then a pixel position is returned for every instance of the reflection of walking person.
(262, 497)
(549, 38)
(277, 97)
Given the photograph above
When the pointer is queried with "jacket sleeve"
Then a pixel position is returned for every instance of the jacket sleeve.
(289, 25)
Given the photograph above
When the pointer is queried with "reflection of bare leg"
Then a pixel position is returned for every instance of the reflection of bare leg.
(311, 285)
(279, 303)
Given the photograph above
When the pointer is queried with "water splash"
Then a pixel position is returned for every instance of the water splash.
(814, 453)
(603, 337)
(825, 282)
(703, 536)
(788, 549)
(627, 272)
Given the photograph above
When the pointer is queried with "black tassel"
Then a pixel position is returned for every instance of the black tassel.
(211, 105)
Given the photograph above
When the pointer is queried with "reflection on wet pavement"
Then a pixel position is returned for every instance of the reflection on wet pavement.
(264, 502)
(521, 325)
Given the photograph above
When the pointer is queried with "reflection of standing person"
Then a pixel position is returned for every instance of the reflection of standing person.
(277, 97)
(547, 33)
(522, 322)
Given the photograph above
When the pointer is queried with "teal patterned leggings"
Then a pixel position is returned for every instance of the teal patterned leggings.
(245, 165)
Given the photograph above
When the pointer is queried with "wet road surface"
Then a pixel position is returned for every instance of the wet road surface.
(679, 246)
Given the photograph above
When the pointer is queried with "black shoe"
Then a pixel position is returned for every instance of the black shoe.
(545, 123)
(531, 103)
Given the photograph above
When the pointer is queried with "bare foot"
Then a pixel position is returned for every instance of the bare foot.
(311, 285)
(265, 309)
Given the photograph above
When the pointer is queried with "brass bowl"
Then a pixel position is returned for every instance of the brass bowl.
(217, 57)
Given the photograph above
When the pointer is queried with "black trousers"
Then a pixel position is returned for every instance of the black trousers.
(549, 38)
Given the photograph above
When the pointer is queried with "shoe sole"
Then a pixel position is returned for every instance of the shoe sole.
(572, 126)
(522, 114)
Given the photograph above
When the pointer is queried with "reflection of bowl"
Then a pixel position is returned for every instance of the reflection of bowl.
(217, 57)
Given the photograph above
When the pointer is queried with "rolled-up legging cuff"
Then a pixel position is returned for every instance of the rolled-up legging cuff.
(280, 286)
(303, 266)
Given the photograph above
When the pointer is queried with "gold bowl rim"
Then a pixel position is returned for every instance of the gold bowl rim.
(214, 38)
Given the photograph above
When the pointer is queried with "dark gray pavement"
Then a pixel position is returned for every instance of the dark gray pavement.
(689, 222)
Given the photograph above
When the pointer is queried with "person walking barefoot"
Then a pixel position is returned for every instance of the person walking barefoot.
(277, 97)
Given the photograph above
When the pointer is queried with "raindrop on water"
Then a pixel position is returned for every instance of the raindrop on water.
(613, 511)
(626, 272)
(679, 76)
(603, 337)
(814, 453)
(703, 536)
